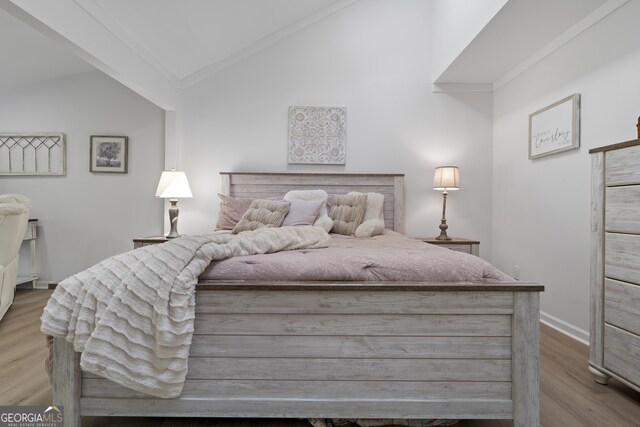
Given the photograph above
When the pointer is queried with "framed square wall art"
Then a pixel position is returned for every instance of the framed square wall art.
(317, 135)
(555, 128)
(109, 154)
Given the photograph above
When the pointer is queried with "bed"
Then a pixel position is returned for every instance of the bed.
(334, 349)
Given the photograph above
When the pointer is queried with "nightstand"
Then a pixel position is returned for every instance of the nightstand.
(147, 241)
(461, 245)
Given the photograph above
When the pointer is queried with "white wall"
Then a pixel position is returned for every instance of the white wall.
(455, 23)
(541, 208)
(89, 32)
(374, 59)
(87, 217)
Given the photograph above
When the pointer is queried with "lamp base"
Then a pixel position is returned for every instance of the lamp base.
(443, 231)
(443, 221)
(173, 219)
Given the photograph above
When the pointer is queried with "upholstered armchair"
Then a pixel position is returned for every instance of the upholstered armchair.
(14, 215)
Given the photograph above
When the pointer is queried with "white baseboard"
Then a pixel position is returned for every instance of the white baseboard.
(39, 285)
(566, 328)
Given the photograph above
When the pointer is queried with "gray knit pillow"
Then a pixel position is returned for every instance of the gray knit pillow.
(261, 214)
(347, 213)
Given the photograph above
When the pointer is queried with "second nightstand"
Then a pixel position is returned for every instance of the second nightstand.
(461, 245)
(146, 241)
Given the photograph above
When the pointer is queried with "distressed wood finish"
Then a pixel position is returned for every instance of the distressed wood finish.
(399, 204)
(354, 302)
(623, 209)
(140, 242)
(568, 395)
(300, 408)
(622, 354)
(622, 305)
(615, 264)
(526, 345)
(455, 244)
(370, 325)
(616, 146)
(597, 259)
(361, 346)
(335, 286)
(348, 349)
(621, 166)
(225, 184)
(251, 389)
(347, 369)
(275, 350)
(66, 381)
(622, 257)
(249, 184)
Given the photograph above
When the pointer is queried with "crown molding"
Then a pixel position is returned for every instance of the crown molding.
(593, 18)
(109, 23)
(462, 87)
(265, 42)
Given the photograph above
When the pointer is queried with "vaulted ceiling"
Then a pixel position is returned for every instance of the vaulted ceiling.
(158, 47)
(188, 36)
(30, 57)
(520, 30)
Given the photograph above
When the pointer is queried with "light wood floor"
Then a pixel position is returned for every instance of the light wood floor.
(569, 397)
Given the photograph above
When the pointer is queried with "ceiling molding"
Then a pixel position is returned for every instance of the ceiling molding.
(587, 22)
(110, 23)
(146, 82)
(257, 46)
(462, 87)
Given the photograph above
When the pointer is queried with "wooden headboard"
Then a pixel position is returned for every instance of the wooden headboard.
(251, 184)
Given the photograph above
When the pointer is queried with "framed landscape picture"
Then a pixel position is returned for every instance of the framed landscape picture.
(555, 128)
(109, 154)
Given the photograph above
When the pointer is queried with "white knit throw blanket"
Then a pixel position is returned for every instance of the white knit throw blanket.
(132, 315)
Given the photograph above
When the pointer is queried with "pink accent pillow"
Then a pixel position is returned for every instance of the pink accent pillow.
(231, 210)
(303, 212)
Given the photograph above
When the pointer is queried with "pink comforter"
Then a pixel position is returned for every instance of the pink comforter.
(390, 256)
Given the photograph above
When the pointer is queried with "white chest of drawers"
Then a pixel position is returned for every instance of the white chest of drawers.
(615, 264)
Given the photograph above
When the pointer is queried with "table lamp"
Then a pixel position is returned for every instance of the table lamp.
(173, 185)
(445, 178)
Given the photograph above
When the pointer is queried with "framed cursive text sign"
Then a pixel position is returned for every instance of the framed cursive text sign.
(555, 128)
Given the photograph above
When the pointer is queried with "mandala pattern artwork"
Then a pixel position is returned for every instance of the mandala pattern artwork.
(317, 135)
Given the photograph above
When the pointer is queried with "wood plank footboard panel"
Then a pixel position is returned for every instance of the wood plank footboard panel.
(302, 408)
(362, 352)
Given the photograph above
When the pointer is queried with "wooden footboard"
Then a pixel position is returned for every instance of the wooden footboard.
(343, 350)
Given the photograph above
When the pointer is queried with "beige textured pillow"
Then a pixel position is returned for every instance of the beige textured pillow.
(373, 221)
(261, 214)
(347, 213)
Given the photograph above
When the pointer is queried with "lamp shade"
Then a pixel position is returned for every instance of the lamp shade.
(173, 185)
(446, 178)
